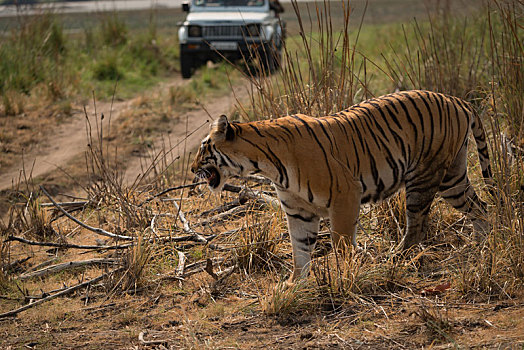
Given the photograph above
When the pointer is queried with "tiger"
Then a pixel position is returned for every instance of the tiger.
(329, 166)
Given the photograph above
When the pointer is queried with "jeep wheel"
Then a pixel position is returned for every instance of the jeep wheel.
(272, 60)
(186, 64)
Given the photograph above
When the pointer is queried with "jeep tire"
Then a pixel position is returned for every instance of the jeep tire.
(186, 65)
(271, 60)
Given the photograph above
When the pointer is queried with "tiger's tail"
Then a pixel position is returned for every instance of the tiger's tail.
(482, 149)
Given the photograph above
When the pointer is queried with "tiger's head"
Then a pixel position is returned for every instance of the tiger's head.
(216, 159)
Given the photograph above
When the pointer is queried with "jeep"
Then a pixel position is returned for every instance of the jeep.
(231, 30)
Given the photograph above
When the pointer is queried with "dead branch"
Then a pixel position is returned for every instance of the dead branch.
(67, 245)
(190, 269)
(64, 292)
(209, 269)
(249, 193)
(241, 200)
(84, 225)
(43, 264)
(261, 196)
(234, 212)
(188, 238)
(187, 228)
(258, 179)
(232, 188)
(179, 272)
(192, 185)
(15, 265)
(65, 266)
(66, 204)
(222, 275)
(200, 266)
(150, 342)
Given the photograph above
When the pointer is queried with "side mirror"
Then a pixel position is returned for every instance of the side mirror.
(185, 6)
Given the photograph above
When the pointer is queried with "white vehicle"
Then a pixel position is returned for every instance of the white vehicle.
(231, 29)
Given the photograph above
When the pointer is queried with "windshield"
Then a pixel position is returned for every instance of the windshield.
(222, 3)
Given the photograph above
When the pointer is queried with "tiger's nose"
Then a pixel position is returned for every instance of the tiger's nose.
(194, 167)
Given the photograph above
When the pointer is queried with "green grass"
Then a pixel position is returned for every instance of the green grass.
(40, 54)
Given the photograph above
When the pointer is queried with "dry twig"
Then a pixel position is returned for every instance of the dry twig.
(64, 292)
(67, 245)
(187, 229)
(65, 266)
(150, 342)
(181, 264)
(84, 225)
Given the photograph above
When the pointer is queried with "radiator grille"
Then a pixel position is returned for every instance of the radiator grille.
(222, 31)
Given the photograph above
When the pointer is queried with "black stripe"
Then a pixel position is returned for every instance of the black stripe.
(432, 122)
(376, 123)
(440, 105)
(461, 194)
(283, 178)
(368, 126)
(408, 117)
(287, 131)
(301, 218)
(444, 186)
(312, 133)
(421, 118)
(307, 240)
(282, 172)
(309, 193)
(255, 128)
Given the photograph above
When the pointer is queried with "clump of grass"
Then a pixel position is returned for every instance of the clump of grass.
(113, 30)
(285, 300)
(107, 67)
(181, 97)
(34, 53)
(437, 324)
(507, 52)
(136, 260)
(496, 268)
(256, 247)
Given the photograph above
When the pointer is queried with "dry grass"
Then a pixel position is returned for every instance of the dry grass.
(451, 291)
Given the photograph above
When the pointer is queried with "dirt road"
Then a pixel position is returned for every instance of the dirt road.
(69, 140)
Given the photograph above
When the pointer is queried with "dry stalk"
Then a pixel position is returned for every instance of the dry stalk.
(84, 225)
(66, 266)
(59, 294)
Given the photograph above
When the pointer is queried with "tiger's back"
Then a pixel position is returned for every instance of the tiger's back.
(328, 166)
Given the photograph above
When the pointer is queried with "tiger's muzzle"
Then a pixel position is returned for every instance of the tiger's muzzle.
(210, 174)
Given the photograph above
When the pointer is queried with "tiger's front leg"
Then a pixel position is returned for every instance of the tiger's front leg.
(303, 230)
(344, 220)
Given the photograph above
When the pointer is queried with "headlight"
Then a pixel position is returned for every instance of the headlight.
(252, 30)
(195, 31)
(267, 32)
(182, 35)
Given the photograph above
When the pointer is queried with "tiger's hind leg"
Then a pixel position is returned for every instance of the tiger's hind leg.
(303, 229)
(420, 193)
(457, 191)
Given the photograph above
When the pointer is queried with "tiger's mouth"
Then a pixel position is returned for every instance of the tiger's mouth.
(211, 175)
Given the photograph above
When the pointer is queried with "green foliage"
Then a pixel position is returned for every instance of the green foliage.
(113, 30)
(107, 68)
(32, 53)
(37, 54)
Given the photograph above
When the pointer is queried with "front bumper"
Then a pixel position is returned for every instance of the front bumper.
(230, 49)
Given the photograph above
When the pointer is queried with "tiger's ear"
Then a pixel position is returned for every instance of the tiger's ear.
(221, 130)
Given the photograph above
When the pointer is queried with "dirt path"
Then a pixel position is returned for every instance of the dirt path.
(69, 139)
